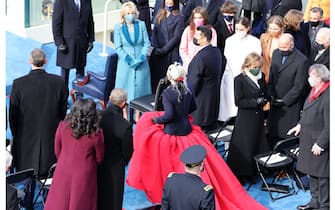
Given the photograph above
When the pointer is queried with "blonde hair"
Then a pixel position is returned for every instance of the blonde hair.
(277, 20)
(130, 5)
(176, 75)
(251, 60)
(292, 19)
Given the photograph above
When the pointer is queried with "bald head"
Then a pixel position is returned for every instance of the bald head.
(286, 42)
(323, 37)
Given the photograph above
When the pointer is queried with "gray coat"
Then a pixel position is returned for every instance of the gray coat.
(315, 129)
(253, 5)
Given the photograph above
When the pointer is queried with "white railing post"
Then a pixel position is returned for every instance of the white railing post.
(104, 53)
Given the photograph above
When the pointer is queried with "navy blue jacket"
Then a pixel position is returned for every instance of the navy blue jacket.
(175, 117)
(187, 191)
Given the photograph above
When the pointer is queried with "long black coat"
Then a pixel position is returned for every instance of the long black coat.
(287, 81)
(213, 10)
(38, 102)
(118, 151)
(253, 5)
(315, 129)
(74, 29)
(204, 73)
(248, 138)
(165, 39)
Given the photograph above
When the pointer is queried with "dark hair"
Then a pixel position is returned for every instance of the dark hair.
(84, 117)
(162, 12)
(244, 21)
(206, 31)
(37, 57)
(228, 7)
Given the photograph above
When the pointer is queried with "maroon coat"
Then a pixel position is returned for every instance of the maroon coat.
(74, 184)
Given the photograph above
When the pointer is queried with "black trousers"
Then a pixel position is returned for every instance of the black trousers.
(319, 188)
(65, 73)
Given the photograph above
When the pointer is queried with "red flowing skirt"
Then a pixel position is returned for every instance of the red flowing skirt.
(156, 154)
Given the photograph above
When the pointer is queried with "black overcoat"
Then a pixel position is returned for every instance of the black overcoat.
(38, 102)
(287, 81)
(74, 29)
(248, 137)
(118, 151)
(165, 39)
(204, 73)
(253, 5)
(315, 129)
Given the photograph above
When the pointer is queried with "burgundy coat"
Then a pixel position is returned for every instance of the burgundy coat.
(74, 184)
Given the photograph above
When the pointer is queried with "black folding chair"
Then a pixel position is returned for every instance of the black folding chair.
(148, 103)
(45, 184)
(281, 163)
(24, 182)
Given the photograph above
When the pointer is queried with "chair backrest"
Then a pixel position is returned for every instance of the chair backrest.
(286, 144)
(162, 85)
(27, 179)
(110, 74)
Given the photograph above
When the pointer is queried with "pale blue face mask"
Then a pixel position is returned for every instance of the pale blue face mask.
(130, 18)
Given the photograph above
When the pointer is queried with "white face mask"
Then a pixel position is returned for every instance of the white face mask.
(312, 82)
(241, 34)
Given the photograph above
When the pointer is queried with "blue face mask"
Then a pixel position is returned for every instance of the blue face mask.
(169, 8)
(130, 18)
(228, 17)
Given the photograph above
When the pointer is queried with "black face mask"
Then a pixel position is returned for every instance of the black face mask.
(285, 53)
(319, 46)
(314, 24)
(228, 17)
(195, 41)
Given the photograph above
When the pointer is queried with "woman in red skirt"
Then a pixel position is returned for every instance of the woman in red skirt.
(160, 138)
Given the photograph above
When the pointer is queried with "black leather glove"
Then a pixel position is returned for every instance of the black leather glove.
(62, 48)
(157, 51)
(261, 101)
(89, 47)
(278, 102)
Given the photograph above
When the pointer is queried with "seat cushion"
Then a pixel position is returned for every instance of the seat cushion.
(143, 104)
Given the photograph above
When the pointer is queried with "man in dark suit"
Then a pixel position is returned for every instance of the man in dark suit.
(212, 7)
(288, 76)
(281, 7)
(188, 191)
(204, 77)
(321, 48)
(38, 102)
(315, 23)
(118, 151)
(313, 158)
(225, 26)
(73, 32)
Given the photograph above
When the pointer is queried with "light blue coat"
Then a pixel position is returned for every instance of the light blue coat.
(132, 48)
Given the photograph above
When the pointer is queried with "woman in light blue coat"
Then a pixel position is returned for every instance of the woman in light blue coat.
(132, 46)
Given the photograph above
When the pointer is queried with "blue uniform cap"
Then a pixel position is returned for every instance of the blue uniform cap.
(193, 155)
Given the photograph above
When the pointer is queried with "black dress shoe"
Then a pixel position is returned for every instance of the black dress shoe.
(305, 207)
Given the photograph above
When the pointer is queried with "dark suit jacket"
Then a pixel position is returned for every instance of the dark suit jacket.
(223, 33)
(38, 103)
(322, 59)
(281, 7)
(213, 10)
(73, 28)
(204, 73)
(12, 202)
(315, 129)
(118, 151)
(187, 191)
(287, 81)
(175, 116)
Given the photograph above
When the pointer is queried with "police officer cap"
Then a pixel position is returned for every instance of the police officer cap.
(193, 155)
